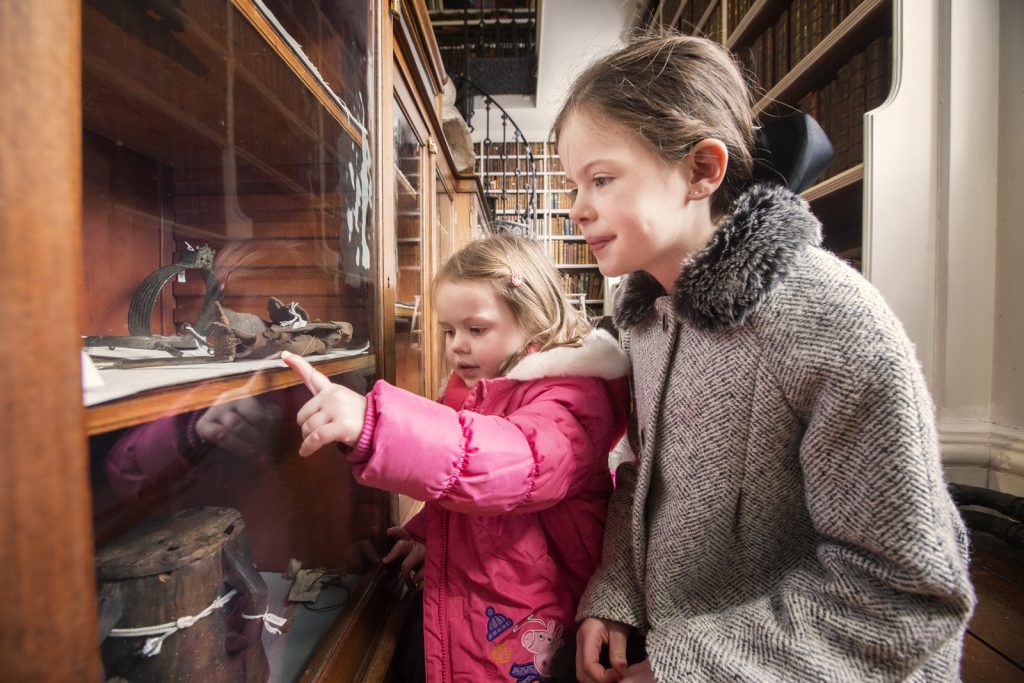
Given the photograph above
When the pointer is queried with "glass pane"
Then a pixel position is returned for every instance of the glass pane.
(409, 243)
(228, 215)
(444, 234)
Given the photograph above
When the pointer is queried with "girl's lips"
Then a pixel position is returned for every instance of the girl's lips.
(596, 244)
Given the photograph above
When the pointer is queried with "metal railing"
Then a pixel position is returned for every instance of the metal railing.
(517, 163)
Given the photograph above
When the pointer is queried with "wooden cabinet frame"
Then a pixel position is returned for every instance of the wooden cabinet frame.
(46, 561)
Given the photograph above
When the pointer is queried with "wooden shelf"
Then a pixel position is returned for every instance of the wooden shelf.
(549, 220)
(836, 183)
(715, 6)
(826, 57)
(182, 398)
(179, 118)
(759, 17)
(404, 182)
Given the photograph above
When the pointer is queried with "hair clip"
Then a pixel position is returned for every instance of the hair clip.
(515, 279)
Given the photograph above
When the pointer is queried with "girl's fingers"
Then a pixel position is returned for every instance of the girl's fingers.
(617, 650)
(235, 446)
(397, 550)
(398, 532)
(309, 408)
(314, 422)
(589, 640)
(329, 433)
(314, 379)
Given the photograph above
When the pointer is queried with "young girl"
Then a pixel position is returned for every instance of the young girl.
(513, 462)
(787, 517)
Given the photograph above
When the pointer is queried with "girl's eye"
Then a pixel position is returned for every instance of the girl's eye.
(572, 194)
(602, 181)
(477, 330)
(448, 333)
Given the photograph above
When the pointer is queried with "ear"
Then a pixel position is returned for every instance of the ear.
(708, 160)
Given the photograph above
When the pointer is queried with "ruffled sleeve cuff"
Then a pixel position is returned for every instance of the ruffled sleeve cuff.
(363, 447)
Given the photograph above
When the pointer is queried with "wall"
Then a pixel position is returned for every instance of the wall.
(1008, 361)
(943, 211)
(571, 34)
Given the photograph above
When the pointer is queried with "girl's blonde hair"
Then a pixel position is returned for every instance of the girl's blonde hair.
(673, 90)
(524, 278)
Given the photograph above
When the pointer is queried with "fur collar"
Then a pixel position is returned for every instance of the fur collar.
(598, 355)
(750, 253)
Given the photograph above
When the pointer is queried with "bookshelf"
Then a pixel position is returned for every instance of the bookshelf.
(507, 187)
(829, 58)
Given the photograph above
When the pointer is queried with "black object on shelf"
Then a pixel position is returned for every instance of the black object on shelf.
(791, 150)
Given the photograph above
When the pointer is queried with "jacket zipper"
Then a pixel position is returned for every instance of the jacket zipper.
(442, 596)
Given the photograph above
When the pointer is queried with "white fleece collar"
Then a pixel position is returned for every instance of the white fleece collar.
(598, 355)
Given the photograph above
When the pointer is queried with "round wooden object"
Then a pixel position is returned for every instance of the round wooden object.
(175, 567)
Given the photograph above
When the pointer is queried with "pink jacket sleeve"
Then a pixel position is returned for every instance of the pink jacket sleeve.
(150, 458)
(417, 526)
(483, 464)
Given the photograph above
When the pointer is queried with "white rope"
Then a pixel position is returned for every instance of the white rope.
(158, 634)
(271, 622)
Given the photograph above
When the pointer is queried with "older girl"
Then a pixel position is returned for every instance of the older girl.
(787, 519)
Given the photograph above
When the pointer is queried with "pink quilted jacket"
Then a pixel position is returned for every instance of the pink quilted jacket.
(516, 482)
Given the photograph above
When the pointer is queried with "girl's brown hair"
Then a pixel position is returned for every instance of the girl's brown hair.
(673, 90)
(525, 279)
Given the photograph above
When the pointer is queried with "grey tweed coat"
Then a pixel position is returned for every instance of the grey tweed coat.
(787, 518)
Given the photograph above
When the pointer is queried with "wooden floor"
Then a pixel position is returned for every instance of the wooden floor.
(994, 647)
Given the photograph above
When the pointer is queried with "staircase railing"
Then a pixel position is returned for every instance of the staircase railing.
(515, 156)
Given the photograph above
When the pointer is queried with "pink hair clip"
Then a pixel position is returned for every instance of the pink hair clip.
(515, 279)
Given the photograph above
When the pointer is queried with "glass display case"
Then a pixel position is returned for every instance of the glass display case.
(188, 188)
(410, 243)
(228, 214)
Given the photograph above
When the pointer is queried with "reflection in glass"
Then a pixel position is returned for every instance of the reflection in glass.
(206, 126)
(409, 243)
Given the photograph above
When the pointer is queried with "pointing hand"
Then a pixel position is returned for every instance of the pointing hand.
(334, 414)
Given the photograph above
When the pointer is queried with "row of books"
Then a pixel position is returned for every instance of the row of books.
(498, 165)
(562, 226)
(860, 85)
(797, 30)
(560, 200)
(571, 253)
(589, 283)
(511, 148)
(512, 203)
(524, 182)
(558, 182)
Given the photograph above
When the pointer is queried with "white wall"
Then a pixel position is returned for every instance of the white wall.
(1008, 360)
(572, 34)
(943, 211)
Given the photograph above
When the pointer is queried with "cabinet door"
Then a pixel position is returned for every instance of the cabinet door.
(412, 183)
(228, 215)
(444, 246)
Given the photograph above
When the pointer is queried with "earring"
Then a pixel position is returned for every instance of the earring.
(696, 193)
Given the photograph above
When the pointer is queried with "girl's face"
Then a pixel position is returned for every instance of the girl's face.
(479, 329)
(633, 208)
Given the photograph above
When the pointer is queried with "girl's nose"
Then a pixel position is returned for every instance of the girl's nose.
(459, 343)
(580, 213)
